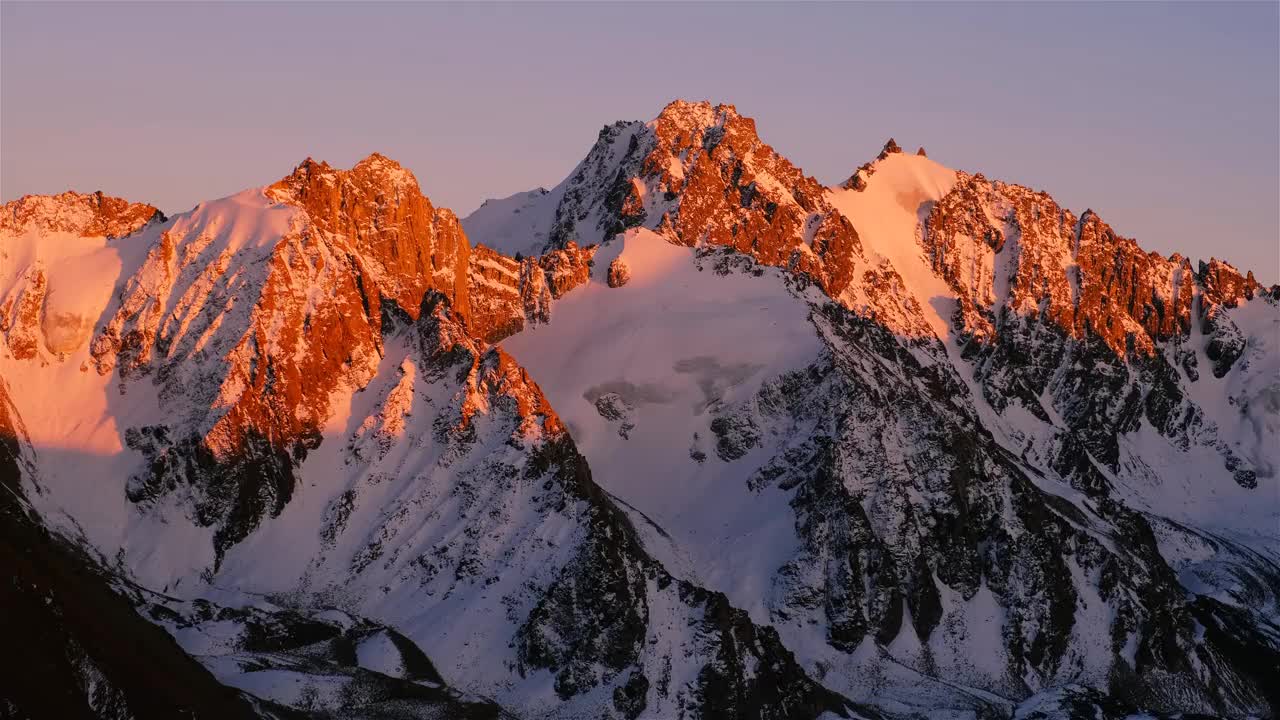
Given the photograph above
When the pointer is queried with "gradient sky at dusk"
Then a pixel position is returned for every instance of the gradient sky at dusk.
(1165, 118)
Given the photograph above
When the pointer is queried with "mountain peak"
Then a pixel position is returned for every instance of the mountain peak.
(1223, 282)
(92, 214)
(386, 172)
(858, 180)
(890, 148)
(310, 165)
(377, 161)
(372, 175)
(696, 114)
(377, 157)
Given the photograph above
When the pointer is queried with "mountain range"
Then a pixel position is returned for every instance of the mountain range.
(689, 435)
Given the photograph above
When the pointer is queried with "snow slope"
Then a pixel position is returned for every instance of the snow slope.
(518, 224)
(668, 348)
(887, 216)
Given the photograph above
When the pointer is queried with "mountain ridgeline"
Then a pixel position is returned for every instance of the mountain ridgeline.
(689, 435)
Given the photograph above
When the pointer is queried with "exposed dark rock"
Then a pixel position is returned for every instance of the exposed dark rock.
(619, 273)
(890, 148)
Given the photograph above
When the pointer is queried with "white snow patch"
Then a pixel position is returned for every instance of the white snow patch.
(519, 223)
(886, 215)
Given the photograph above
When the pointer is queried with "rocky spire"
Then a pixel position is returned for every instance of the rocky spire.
(890, 148)
(858, 180)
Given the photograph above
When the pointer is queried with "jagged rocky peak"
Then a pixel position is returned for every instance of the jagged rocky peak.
(1224, 284)
(327, 193)
(82, 214)
(378, 205)
(1066, 269)
(732, 189)
(696, 114)
(890, 148)
(699, 173)
(858, 180)
(1078, 273)
(375, 169)
(414, 246)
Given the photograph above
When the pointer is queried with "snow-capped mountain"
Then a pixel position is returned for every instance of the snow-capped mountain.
(688, 435)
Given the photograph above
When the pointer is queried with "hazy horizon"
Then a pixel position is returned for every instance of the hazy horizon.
(1164, 118)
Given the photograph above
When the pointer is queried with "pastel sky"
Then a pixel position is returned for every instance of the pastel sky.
(1165, 118)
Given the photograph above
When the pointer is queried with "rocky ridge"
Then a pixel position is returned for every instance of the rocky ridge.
(83, 215)
(1112, 330)
(699, 174)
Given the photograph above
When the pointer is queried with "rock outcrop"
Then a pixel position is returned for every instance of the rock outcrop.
(619, 273)
(890, 148)
(20, 312)
(507, 294)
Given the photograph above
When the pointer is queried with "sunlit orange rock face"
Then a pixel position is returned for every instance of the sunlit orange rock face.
(371, 245)
(85, 215)
(20, 316)
(507, 294)
(1076, 273)
(497, 287)
(378, 207)
(734, 190)
(699, 174)
(1062, 312)
(1009, 250)
(566, 268)
(497, 376)
(1224, 285)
